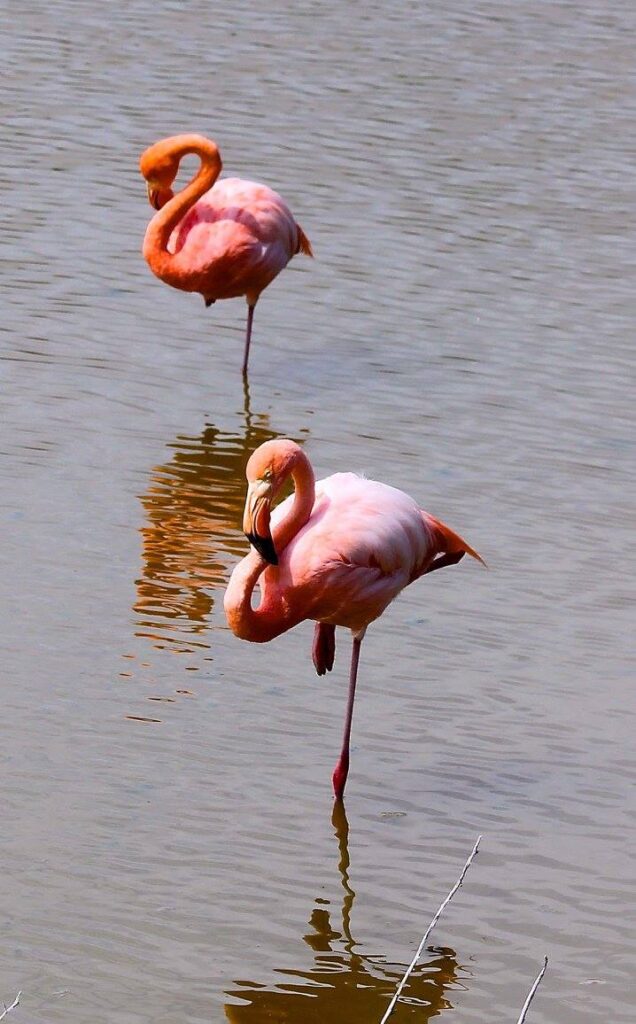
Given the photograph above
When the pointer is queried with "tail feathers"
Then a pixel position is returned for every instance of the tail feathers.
(304, 245)
(449, 542)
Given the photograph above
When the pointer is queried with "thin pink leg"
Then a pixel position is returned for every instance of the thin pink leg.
(339, 777)
(248, 338)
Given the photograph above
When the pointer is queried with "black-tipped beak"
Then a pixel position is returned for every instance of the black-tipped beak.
(256, 519)
(264, 546)
(157, 195)
(153, 197)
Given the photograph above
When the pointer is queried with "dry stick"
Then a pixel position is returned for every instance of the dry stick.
(7, 1009)
(537, 982)
(422, 944)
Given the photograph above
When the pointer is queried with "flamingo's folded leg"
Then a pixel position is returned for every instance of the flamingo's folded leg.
(323, 650)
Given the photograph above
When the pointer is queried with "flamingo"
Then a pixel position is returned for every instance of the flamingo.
(220, 238)
(337, 551)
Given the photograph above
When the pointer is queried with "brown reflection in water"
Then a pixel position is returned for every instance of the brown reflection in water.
(343, 984)
(194, 505)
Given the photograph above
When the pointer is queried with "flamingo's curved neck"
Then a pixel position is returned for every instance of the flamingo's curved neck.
(272, 617)
(304, 497)
(155, 248)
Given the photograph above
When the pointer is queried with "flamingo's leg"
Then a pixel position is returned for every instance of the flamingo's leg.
(339, 777)
(248, 336)
(323, 650)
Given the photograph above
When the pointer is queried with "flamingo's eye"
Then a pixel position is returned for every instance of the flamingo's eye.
(267, 475)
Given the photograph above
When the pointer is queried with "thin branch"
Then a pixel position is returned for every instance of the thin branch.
(7, 1009)
(537, 982)
(422, 944)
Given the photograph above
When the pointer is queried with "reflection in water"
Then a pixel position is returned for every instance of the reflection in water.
(193, 507)
(344, 985)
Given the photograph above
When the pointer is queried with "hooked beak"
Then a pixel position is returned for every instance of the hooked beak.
(158, 196)
(256, 520)
(153, 197)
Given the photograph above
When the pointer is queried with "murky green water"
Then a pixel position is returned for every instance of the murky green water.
(465, 173)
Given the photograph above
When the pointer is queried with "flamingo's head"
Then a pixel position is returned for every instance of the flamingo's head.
(159, 165)
(268, 468)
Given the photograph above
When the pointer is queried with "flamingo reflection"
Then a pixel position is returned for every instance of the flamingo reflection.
(344, 984)
(193, 507)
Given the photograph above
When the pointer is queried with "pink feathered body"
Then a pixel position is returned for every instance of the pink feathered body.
(233, 241)
(364, 542)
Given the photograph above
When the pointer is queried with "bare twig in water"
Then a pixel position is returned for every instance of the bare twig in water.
(537, 982)
(7, 1009)
(422, 944)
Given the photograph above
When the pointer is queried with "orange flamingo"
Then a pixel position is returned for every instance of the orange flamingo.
(337, 551)
(220, 238)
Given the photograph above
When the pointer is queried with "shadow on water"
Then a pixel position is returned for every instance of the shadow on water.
(192, 532)
(343, 984)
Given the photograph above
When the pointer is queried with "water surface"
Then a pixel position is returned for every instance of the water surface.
(465, 174)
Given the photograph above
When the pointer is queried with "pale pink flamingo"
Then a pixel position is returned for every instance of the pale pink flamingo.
(337, 551)
(220, 238)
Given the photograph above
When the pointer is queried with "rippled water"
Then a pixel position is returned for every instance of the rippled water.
(465, 174)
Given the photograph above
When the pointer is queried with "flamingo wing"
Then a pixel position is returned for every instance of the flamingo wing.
(235, 239)
(364, 542)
